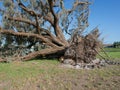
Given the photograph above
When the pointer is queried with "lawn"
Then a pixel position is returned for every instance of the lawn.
(112, 49)
(113, 53)
(48, 75)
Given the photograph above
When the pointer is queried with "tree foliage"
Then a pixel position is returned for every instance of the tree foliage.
(31, 23)
(116, 44)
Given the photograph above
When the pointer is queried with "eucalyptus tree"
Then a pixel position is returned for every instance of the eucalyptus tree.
(48, 22)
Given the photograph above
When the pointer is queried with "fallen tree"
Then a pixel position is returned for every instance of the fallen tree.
(36, 23)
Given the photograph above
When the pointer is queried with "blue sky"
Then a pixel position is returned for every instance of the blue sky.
(106, 15)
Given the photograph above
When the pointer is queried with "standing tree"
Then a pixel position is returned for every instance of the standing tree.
(42, 22)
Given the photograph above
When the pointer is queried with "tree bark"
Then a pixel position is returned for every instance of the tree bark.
(43, 52)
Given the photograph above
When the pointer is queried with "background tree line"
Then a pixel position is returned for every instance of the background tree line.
(116, 44)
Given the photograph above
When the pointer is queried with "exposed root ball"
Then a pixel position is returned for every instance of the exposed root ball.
(83, 49)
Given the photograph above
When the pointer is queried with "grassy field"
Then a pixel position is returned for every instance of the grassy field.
(112, 49)
(113, 53)
(49, 75)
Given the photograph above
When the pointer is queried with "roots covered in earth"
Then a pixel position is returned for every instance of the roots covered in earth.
(83, 49)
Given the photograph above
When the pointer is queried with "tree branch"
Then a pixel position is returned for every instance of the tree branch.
(52, 11)
(31, 12)
(54, 23)
(52, 37)
(31, 23)
(77, 3)
(37, 25)
(30, 35)
(57, 29)
(38, 28)
(54, 15)
(22, 20)
(43, 52)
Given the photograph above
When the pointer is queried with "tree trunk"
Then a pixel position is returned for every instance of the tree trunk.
(44, 52)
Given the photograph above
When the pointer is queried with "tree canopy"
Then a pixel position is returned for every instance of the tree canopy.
(31, 23)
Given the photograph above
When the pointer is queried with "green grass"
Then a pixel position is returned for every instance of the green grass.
(24, 69)
(113, 53)
(112, 49)
(48, 75)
